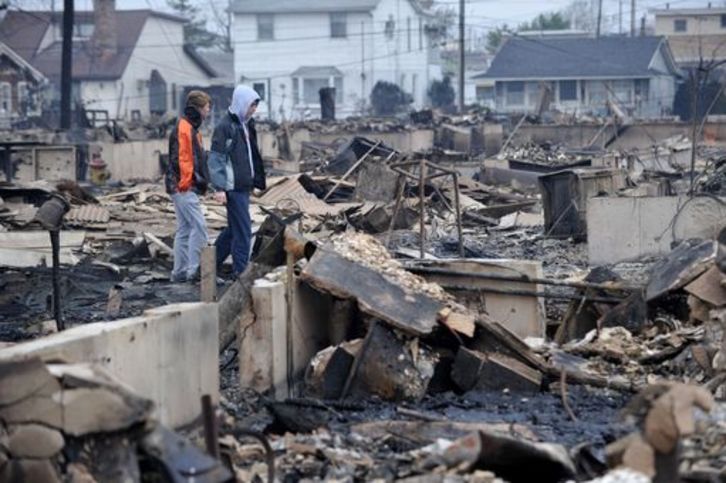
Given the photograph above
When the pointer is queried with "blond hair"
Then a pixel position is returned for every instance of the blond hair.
(198, 99)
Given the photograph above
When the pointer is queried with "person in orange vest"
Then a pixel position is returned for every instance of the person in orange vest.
(186, 180)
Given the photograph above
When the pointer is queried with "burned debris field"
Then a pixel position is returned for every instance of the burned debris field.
(405, 318)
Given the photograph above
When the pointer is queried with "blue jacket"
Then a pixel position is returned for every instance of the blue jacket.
(228, 162)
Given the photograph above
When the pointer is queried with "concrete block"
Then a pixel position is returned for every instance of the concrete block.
(263, 340)
(493, 138)
(169, 355)
(263, 355)
(523, 315)
(134, 159)
(621, 229)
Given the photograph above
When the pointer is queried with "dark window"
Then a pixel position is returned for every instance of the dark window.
(723, 21)
(259, 88)
(408, 32)
(680, 25)
(568, 90)
(338, 25)
(265, 26)
(390, 27)
(515, 93)
(420, 34)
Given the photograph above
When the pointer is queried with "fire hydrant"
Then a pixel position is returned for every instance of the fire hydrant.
(98, 172)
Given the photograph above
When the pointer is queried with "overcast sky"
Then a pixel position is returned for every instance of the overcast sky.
(482, 14)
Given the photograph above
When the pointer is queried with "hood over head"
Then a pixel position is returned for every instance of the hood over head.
(242, 99)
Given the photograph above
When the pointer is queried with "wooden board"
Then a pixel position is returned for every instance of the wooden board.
(708, 287)
(415, 314)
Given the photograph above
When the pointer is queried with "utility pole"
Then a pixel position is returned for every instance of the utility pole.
(695, 94)
(620, 17)
(599, 17)
(66, 65)
(632, 18)
(461, 56)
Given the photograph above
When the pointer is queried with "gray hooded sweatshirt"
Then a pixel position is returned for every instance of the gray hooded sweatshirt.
(242, 99)
(227, 157)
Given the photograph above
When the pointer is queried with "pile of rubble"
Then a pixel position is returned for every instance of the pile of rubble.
(74, 422)
(544, 154)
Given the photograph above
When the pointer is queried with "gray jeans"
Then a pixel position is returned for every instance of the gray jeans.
(191, 234)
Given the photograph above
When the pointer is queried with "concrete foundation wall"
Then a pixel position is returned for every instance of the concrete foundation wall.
(134, 159)
(523, 315)
(169, 355)
(640, 135)
(620, 229)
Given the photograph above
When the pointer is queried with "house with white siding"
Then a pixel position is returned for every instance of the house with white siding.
(583, 75)
(127, 64)
(289, 49)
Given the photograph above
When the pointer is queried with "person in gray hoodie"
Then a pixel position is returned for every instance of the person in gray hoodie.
(235, 169)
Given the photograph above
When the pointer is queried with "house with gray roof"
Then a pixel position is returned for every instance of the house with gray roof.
(290, 49)
(584, 75)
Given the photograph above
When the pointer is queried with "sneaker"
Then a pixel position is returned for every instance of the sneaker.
(177, 278)
(195, 277)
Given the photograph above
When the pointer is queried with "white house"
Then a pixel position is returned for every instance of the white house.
(289, 49)
(126, 63)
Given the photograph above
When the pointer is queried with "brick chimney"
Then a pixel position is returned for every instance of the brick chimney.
(104, 39)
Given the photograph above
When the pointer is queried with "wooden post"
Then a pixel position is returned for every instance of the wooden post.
(208, 266)
(458, 214)
(422, 209)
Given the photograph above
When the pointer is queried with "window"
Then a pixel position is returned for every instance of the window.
(515, 93)
(296, 91)
(338, 25)
(484, 93)
(623, 91)
(420, 33)
(568, 90)
(390, 27)
(259, 88)
(723, 21)
(6, 99)
(414, 82)
(311, 88)
(597, 93)
(642, 88)
(408, 32)
(534, 92)
(23, 97)
(680, 25)
(83, 30)
(265, 26)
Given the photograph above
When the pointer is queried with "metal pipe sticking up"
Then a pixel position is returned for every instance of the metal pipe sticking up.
(50, 216)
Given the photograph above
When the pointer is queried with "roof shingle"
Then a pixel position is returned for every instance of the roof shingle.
(562, 58)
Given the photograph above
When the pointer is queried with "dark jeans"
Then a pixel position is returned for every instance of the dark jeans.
(235, 239)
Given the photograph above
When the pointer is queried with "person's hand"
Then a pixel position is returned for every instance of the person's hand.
(220, 197)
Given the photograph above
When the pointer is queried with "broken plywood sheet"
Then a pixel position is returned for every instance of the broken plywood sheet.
(708, 287)
(521, 218)
(290, 190)
(413, 313)
(32, 248)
